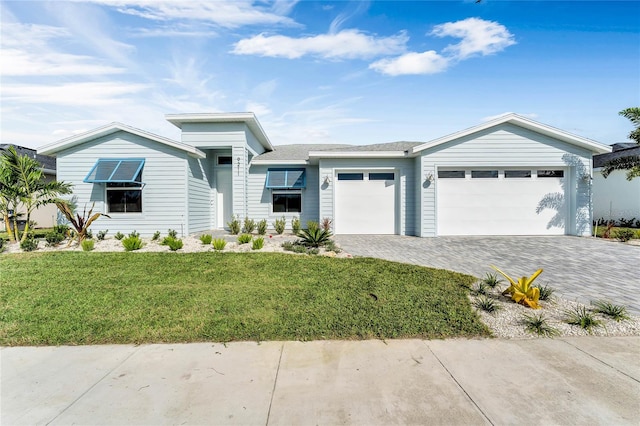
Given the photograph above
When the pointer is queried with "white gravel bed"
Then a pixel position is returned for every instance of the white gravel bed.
(507, 322)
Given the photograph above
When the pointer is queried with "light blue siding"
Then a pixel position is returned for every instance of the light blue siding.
(259, 197)
(406, 208)
(199, 194)
(164, 175)
(508, 145)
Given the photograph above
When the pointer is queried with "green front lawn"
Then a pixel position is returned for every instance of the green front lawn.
(96, 298)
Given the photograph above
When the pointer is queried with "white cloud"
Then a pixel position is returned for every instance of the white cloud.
(257, 108)
(531, 115)
(71, 94)
(429, 62)
(228, 14)
(478, 37)
(346, 44)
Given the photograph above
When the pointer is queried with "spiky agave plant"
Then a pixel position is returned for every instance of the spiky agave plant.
(522, 291)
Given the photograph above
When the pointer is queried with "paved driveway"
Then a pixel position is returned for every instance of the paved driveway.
(582, 269)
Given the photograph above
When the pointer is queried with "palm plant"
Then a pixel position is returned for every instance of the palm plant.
(80, 223)
(632, 163)
(314, 236)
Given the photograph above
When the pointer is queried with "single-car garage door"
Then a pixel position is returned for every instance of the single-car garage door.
(365, 202)
(501, 202)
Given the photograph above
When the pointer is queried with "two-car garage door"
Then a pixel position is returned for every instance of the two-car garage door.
(365, 202)
(501, 202)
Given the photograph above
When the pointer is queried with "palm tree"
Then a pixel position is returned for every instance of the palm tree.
(631, 163)
(22, 176)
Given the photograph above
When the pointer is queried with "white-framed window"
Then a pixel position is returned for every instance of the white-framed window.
(286, 201)
(125, 197)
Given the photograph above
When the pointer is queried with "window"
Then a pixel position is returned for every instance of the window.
(286, 178)
(287, 202)
(484, 174)
(450, 174)
(225, 160)
(350, 176)
(517, 174)
(125, 197)
(382, 176)
(550, 173)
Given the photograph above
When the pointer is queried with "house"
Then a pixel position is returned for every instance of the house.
(615, 197)
(507, 176)
(44, 216)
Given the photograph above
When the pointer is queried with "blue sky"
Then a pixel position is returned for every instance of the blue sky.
(318, 72)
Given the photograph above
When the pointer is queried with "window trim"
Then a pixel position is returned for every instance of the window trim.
(286, 192)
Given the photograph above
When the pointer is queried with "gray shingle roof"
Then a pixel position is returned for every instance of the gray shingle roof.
(46, 161)
(300, 152)
(621, 152)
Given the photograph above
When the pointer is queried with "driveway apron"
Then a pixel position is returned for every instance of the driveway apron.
(579, 268)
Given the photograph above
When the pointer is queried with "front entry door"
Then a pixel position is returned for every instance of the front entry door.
(224, 207)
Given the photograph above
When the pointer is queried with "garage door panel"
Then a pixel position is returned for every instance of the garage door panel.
(365, 206)
(499, 206)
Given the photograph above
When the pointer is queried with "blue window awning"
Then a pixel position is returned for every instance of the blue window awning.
(116, 170)
(286, 179)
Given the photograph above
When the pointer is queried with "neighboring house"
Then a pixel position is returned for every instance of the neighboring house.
(615, 197)
(508, 176)
(45, 216)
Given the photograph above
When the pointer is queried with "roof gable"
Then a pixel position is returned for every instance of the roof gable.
(517, 120)
(55, 147)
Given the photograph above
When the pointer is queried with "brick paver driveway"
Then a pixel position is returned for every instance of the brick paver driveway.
(582, 269)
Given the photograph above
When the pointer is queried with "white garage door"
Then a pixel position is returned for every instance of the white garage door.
(365, 202)
(501, 202)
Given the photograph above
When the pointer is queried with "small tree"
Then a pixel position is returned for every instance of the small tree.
(80, 223)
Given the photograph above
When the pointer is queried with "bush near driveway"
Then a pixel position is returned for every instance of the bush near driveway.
(74, 298)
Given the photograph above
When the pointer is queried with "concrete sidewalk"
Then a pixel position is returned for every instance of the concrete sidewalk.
(585, 380)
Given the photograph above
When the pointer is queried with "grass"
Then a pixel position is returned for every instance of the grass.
(537, 324)
(583, 318)
(99, 298)
(615, 312)
(486, 304)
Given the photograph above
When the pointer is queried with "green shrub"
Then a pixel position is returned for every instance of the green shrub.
(30, 244)
(132, 243)
(53, 238)
(248, 226)
(119, 236)
(173, 243)
(491, 280)
(623, 235)
(279, 225)
(134, 234)
(206, 239)
(582, 318)
(87, 245)
(312, 226)
(172, 233)
(244, 238)
(480, 289)
(616, 312)
(262, 227)
(61, 229)
(299, 248)
(219, 244)
(487, 304)
(257, 244)
(537, 324)
(295, 225)
(156, 236)
(234, 225)
(546, 292)
(102, 234)
(331, 246)
(314, 236)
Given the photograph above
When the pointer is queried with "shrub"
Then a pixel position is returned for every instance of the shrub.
(79, 222)
(480, 289)
(331, 246)
(312, 226)
(537, 324)
(257, 244)
(132, 243)
(234, 225)
(299, 248)
(626, 223)
(248, 226)
(206, 239)
(491, 280)
(314, 236)
(616, 312)
(30, 244)
(88, 234)
(156, 236)
(262, 227)
(623, 235)
(172, 233)
(134, 234)
(295, 225)
(119, 236)
(53, 238)
(87, 245)
(174, 243)
(244, 238)
(1, 244)
(326, 223)
(522, 291)
(582, 318)
(61, 229)
(219, 244)
(102, 234)
(487, 304)
(546, 292)
(279, 225)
